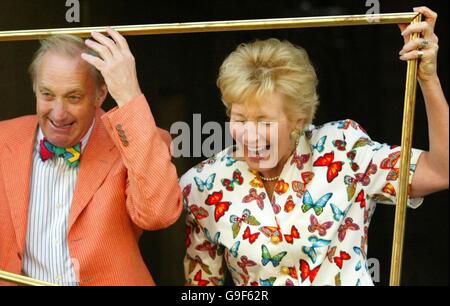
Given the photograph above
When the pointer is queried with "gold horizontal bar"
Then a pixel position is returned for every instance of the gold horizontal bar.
(218, 26)
(22, 280)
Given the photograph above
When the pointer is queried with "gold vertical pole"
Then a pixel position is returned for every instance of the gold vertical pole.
(405, 158)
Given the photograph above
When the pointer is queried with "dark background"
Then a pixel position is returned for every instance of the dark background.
(360, 77)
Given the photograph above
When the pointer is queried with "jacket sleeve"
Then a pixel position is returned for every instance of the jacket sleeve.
(153, 194)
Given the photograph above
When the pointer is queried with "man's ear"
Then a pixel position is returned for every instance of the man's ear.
(102, 92)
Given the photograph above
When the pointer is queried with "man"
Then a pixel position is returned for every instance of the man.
(78, 185)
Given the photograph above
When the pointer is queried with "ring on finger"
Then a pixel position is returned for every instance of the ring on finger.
(424, 43)
(420, 54)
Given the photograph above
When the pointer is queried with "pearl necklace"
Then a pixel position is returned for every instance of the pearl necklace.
(275, 178)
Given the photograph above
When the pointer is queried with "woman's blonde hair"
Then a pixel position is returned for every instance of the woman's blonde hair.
(265, 66)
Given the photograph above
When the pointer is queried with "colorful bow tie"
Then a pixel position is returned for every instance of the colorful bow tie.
(71, 155)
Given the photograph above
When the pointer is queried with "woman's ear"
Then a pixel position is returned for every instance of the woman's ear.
(300, 124)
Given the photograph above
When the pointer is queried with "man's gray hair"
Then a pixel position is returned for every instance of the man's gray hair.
(69, 45)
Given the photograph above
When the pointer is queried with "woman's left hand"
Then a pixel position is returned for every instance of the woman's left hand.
(425, 48)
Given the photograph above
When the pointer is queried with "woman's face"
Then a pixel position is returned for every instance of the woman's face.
(262, 131)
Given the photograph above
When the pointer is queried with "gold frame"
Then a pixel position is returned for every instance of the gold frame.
(265, 24)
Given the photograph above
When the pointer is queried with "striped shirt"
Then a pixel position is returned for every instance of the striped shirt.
(46, 254)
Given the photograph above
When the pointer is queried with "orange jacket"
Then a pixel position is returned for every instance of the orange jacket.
(125, 184)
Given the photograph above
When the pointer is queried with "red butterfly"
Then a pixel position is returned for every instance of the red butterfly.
(348, 225)
(186, 192)
(361, 199)
(254, 196)
(351, 155)
(237, 179)
(188, 231)
(244, 263)
(316, 226)
(198, 212)
(340, 144)
(251, 237)
(339, 260)
(300, 187)
(293, 235)
(209, 247)
(389, 164)
(299, 160)
(307, 272)
(198, 278)
(333, 166)
(221, 207)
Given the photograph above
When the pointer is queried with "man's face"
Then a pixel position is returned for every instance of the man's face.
(66, 98)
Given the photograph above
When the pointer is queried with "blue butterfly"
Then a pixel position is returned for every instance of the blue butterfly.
(216, 237)
(229, 160)
(267, 282)
(266, 257)
(318, 206)
(208, 184)
(338, 214)
(320, 145)
(316, 243)
(234, 249)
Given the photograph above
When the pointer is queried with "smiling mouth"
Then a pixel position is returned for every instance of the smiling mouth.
(60, 126)
(259, 152)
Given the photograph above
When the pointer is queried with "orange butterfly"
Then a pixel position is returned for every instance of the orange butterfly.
(198, 278)
(221, 207)
(289, 205)
(248, 235)
(389, 188)
(389, 164)
(281, 187)
(334, 167)
(300, 187)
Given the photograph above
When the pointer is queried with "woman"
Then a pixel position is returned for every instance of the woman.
(291, 204)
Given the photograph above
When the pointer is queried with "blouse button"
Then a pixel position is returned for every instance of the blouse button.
(285, 270)
(275, 239)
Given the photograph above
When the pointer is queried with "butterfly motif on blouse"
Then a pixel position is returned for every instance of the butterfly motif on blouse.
(351, 155)
(339, 260)
(207, 184)
(363, 178)
(267, 258)
(343, 228)
(244, 263)
(237, 179)
(306, 272)
(199, 280)
(193, 262)
(340, 144)
(320, 145)
(245, 218)
(333, 167)
(300, 160)
(316, 226)
(186, 192)
(389, 163)
(229, 161)
(300, 187)
(254, 196)
(315, 243)
(220, 207)
(308, 202)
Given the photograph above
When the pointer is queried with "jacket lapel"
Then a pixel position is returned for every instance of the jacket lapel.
(17, 164)
(96, 162)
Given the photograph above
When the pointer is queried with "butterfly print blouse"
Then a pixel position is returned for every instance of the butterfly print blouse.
(315, 229)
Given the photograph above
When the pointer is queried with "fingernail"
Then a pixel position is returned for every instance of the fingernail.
(401, 52)
(403, 33)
